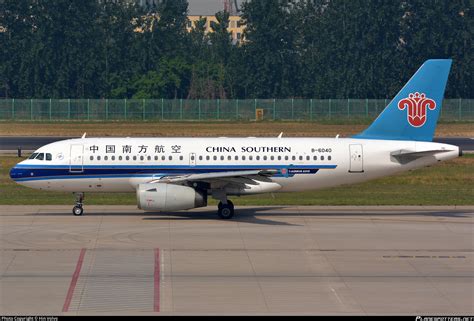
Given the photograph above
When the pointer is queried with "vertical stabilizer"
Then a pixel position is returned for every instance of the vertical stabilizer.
(414, 112)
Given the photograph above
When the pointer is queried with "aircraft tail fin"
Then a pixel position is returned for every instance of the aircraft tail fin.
(414, 112)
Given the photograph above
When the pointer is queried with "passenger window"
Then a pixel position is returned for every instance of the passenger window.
(134, 158)
(301, 158)
(243, 157)
(308, 158)
(33, 156)
(236, 157)
(91, 158)
(98, 157)
(120, 157)
(315, 157)
(279, 157)
(329, 157)
(48, 157)
(200, 157)
(40, 156)
(156, 157)
(181, 157)
(265, 157)
(250, 157)
(106, 157)
(257, 157)
(148, 158)
(113, 157)
(293, 157)
(127, 157)
(222, 157)
(286, 157)
(322, 157)
(208, 157)
(142, 158)
(163, 157)
(229, 157)
(272, 157)
(170, 157)
(215, 157)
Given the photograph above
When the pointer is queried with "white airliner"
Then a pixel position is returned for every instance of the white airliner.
(170, 174)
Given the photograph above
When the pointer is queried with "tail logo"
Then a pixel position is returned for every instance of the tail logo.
(416, 108)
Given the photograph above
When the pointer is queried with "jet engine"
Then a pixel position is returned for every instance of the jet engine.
(169, 197)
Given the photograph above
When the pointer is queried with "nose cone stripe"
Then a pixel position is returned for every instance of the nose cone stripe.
(17, 173)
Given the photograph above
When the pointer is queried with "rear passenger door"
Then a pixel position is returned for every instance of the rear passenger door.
(356, 159)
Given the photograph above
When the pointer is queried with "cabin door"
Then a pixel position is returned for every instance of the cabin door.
(76, 160)
(356, 158)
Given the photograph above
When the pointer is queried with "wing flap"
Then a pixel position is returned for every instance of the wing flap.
(245, 177)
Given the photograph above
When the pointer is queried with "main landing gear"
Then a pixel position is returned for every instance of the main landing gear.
(78, 210)
(225, 210)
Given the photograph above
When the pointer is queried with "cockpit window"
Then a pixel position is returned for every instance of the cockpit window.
(49, 157)
(33, 156)
(40, 156)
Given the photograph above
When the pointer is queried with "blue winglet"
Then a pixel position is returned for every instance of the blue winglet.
(414, 112)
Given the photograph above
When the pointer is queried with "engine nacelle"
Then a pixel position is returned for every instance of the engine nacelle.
(169, 197)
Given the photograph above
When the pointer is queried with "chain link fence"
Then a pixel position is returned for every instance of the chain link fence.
(210, 110)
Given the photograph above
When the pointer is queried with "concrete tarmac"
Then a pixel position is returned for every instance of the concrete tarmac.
(267, 260)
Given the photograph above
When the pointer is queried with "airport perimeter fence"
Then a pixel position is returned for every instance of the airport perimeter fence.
(210, 110)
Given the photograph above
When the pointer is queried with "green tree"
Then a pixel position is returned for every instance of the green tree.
(269, 54)
(440, 29)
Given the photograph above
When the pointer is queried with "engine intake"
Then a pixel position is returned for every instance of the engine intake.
(169, 197)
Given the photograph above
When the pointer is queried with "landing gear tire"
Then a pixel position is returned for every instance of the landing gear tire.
(77, 210)
(225, 211)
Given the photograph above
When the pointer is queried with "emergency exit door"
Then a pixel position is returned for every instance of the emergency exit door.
(356, 158)
(192, 159)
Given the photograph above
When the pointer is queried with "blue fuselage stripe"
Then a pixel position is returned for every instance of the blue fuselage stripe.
(37, 172)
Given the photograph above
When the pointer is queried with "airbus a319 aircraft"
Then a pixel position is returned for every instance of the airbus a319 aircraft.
(171, 174)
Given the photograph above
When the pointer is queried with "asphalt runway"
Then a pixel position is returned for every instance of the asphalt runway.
(28, 144)
(268, 260)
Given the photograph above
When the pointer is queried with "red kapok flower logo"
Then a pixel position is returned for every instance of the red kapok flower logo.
(416, 105)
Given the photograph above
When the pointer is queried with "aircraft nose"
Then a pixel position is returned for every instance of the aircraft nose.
(15, 173)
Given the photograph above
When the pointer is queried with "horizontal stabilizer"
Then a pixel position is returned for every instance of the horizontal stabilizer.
(405, 156)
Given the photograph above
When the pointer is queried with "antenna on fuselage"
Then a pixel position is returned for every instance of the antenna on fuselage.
(281, 134)
(83, 136)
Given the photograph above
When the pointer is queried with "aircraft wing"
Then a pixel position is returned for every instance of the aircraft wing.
(251, 177)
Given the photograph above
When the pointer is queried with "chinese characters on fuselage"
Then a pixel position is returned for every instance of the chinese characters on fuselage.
(141, 149)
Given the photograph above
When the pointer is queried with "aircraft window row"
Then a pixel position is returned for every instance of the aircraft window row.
(251, 157)
(41, 156)
(142, 158)
(222, 157)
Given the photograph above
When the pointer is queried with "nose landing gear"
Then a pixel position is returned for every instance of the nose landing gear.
(78, 210)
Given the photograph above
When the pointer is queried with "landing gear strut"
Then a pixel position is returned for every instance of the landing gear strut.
(78, 210)
(225, 210)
